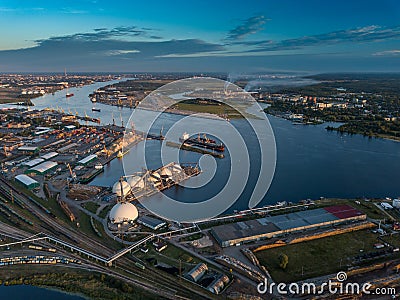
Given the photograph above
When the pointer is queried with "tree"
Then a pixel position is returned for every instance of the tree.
(283, 261)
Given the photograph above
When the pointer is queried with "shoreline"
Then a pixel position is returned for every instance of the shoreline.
(377, 136)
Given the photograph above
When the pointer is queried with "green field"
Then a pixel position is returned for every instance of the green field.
(86, 227)
(212, 109)
(104, 211)
(318, 257)
(91, 206)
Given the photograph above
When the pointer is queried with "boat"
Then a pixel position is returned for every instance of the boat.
(96, 109)
(69, 95)
(98, 166)
(202, 142)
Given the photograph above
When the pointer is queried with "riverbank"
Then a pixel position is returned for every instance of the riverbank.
(91, 285)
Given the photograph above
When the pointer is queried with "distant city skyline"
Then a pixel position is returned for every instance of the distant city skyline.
(204, 36)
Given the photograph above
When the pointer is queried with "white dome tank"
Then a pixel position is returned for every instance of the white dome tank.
(135, 182)
(126, 188)
(123, 212)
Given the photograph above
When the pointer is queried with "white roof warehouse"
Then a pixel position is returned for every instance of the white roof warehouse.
(43, 168)
(87, 159)
(27, 181)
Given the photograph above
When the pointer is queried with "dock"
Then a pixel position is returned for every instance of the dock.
(153, 181)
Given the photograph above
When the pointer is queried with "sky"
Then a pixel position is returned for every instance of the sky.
(233, 36)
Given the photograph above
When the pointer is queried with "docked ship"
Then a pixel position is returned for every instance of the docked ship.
(202, 142)
(98, 166)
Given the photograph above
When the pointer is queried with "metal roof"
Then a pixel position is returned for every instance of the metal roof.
(87, 159)
(27, 148)
(43, 167)
(26, 179)
(33, 162)
(49, 155)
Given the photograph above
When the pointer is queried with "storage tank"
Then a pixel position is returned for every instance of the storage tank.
(396, 203)
(121, 192)
(123, 212)
(135, 182)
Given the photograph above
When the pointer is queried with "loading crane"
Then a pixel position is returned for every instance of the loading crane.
(73, 175)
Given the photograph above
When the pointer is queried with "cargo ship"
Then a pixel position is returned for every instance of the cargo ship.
(202, 142)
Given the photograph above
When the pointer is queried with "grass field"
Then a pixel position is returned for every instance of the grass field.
(104, 211)
(86, 227)
(171, 256)
(318, 257)
(91, 206)
(212, 109)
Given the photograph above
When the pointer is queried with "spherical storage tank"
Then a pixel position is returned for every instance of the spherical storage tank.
(135, 182)
(166, 173)
(176, 169)
(123, 212)
(126, 188)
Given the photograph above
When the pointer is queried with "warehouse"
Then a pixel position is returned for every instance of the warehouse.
(43, 168)
(87, 159)
(268, 227)
(151, 223)
(27, 181)
(49, 155)
(70, 127)
(33, 162)
(28, 149)
(197, 272)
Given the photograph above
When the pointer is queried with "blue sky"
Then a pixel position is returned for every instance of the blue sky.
(229, 36)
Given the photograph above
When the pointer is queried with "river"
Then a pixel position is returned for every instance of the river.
(311, 162)
(26, 292)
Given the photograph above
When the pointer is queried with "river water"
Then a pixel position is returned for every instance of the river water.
(311, 162)
(28, 292)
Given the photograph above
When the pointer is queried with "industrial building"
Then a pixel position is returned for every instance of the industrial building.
(43, 168)
(33, 162)
(123, 212)
(27, 181)
(87, 159)
(49, 155)
(28, 149)
(218, 284)
(268, 227)
(151, 223)
(197, 272)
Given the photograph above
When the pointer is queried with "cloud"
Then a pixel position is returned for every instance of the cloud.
(250, 26)
(100, 34)
(120, 52)
(365, 34)
(387, 53)
(102, 48)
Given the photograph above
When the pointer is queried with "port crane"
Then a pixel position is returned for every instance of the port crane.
(5, 152)
(73, 175)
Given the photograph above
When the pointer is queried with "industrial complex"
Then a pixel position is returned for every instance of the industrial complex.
(268, 227)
